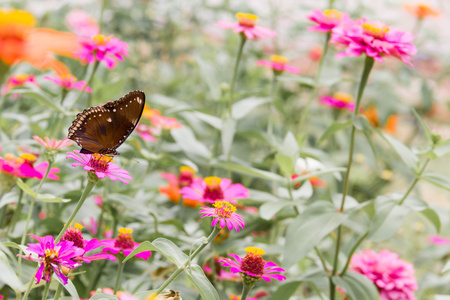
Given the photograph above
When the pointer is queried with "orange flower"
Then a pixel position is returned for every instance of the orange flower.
(172, 190)
(371, 114)
(421, 10)
(21, 42)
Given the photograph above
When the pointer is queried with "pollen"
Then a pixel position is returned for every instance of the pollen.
(278, 59)
(343, 97)
(100, 162)
(124, 239)
(376, 29)
(255, 251)
(224, 209)
(253, 261)
(51, 253)
(100, 39)
(246, 19)
(28, 157)
(332, 14)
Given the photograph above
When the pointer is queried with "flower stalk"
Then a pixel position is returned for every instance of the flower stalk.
(235, 72)
(120, 267)
(246, 288)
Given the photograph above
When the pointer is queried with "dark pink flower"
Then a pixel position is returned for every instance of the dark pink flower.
(101, 165)
(246, 25)
(327, 19)
(375, 39)
(82, 24)
(339, 100)
(212, 189)
(124, 244)
(393, 276)
(52, 257)
(253, 267)
(53, 144)
(24, 167)
(102, 48)
(278, 63)
(439, 240)
(224, 214)
(69, 82)
(16, 81)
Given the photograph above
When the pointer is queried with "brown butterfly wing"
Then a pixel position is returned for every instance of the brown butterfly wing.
(102, 129)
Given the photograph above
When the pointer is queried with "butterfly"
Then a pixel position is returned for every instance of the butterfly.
(102, 129)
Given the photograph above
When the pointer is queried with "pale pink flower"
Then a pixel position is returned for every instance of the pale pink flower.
(82, 24)
(327, 19)
(278, 63)
(146, 132)
(102, 48)
(98, 200)
(163, 122)
(212, 189)
(52, 144)
(439, 240)
(16, 81)
(69, 82)
(246, 25)
(253, 267)
(124, 244)
(393, 276)
(339, 100)
(375, 39)
(225, 214)
(101, 165)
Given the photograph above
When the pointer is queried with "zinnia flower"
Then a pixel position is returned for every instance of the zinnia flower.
(18, 80)
(52, 257)
(163, 122)
(146, 132)
(212, 189)
(393, 276)
(253, 267)
(439, 240)
(327, 19)
(102, 48)
(421, 10)
(82, 24)
(371, 113)
(246, 25)
(24, 167)
(124, 244)
(69, 82)
(101, 165)
(120, 294)
(52, 144)
(225, 214)
(279, 64)
(307, 165)
(375, 39)
(221, 274)
(339, 100)
(172, 191)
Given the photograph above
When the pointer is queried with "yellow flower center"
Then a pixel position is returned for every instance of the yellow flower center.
(212, 181)
(386, 175)
(376, 29)
(125, 230)
(255, 251)
(278, 59)
(30, 158)
(51, 253)
(332, 14)
(100, 162)
(224, 209)
(100, 39)
(186, 169)
(17, 17)
(124, 239)
(343, 97)
(78, 226)
(245, 19)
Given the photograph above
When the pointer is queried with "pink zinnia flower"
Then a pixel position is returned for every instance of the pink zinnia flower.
(52, 257)
(279, 64)
(101, 165)
(375, 39)
(124, 244)
(439, 240)
(176, 182)
(69, 82)
(246, 25)
(146, 132)
(98, 200)
(16, 81)
(163, 122)
(224, 212)
(339, 100)
(52, 144)
(92, 227)
(212, 189)
(102, 48)
(121, 295)
(24, 167)
(327, 19)
(393, 276)
(253, 267)
(82, 24)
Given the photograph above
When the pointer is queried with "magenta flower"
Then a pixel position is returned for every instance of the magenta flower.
(82, 24)
(220, 273)
(16, 81)
(41, 168)
(439, 240)
(278, 63)
(102, 48)
(52, 257)
(253, 267)
(212, 189)
(246, 25)
(224, 212)
(339, 100)
(375, 39)
(53, 144)
(23, 167)
(101, 165)
(327, 19)
(69, 82)
(393, 276)
(124, 244)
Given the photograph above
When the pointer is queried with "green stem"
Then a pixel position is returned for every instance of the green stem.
(44, 296)
(236, 68)
(246, 288)
(88, 82)
(273, 88)
(312, 96)
(213, 234)
(414, 182)
(119, 275)
(353, 251)
(58, 292)
(322, 260)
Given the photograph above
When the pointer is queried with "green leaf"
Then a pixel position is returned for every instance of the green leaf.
(433, 217)
(425, 128)
(69, 287)
(163, 246)
(51, 199)
(252, 172)
(286, 290)
(102, 296)
(24, 187)
(210, 119)
(437, 179)
(228, 131)
(309, 228)
(243, 107)
(442, 148)
(185, 138)
(446, 267)
(8, 275)
(286, 164)
(202, 283)
(207, 70)
(290, 146)
(269, 209)
(41, 97)
(303, 80)
(335, 127)
(357, 286)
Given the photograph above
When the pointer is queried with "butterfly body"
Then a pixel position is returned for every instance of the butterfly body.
(102, 129)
